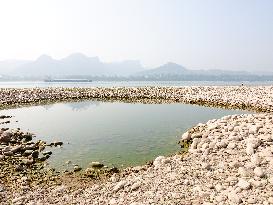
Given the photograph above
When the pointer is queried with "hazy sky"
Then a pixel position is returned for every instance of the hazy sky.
(225, 34)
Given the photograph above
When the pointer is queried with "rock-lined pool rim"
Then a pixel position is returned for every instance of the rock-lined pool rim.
(257, 98)
(252, 98)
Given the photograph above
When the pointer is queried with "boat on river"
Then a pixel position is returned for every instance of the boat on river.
(67, 80)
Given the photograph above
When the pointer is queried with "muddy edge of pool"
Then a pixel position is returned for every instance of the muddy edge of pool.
(242, 137)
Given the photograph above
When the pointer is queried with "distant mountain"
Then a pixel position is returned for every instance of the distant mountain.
(166, 69)
(74, 64)
(121, 68)
(78, 65)
(172, 69)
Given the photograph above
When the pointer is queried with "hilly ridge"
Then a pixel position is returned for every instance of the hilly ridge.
(79, 65)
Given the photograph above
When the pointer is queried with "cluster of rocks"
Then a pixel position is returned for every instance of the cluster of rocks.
(19, 145)
(229, 161)
(257, 98)
(22, 163)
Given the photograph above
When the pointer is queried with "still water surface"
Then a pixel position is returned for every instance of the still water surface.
(113, 133)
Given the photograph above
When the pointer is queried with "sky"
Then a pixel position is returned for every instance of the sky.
(198, 34)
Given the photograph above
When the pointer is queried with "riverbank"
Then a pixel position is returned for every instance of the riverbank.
(257, 98)
(230, 160)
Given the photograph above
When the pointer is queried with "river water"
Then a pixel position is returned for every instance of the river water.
(115, 133)
(126, 83)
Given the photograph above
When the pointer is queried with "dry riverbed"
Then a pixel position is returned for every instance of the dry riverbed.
(230, 160)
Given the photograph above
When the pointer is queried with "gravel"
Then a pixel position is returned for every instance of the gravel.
(229, 161)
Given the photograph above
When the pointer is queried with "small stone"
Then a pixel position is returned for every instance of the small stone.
(249, 149)
(270, 200)
(113, 201)
(58, 143)
(5, 137)
(243, 172)
(68, 162)
(255, 159)
(233, 197)
(119, 185)
(24, 179)
(244, 184)
(231, 145)
(158, 161)
(27, 161)
(206, 166)
(218, 187)
(96, 165)
(59, 189)
(258, 172)
(27, 153)
(136, 185)
(186, 182)
(77, 168)
(18, 199)
(18, 168)
(8, 153)
(255, 183)
(47, 153)
(35, 154)
(186, 136)
(251, 200)
(235, 164)
(220, 198)
(16, 148)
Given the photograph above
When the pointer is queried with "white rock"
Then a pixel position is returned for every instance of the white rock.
(270, 200)
(18, 199)
(235, 164)
(186, 182)
(254, 142)
(59, 189)
(258, 172)
(205, 146)
(233, 197)
(135, 185)
(270, 180)
(251, 200)
(159, 161)
(213, 127)
(243, 184)
(253, 129)
(231, 145)
(255, 183)
(255, 159)
(206, 166)
(113, 201)
(249, 149)
(243, 172)
(119, 185)
(220, 198)
(186, 136)
(218, 187)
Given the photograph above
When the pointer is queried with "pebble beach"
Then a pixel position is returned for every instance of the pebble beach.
(229, 160)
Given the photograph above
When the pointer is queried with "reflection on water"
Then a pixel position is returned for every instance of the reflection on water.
(114, 133)
(79, 106)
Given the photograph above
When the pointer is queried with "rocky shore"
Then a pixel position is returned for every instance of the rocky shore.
(229, 160)
(258, 98)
